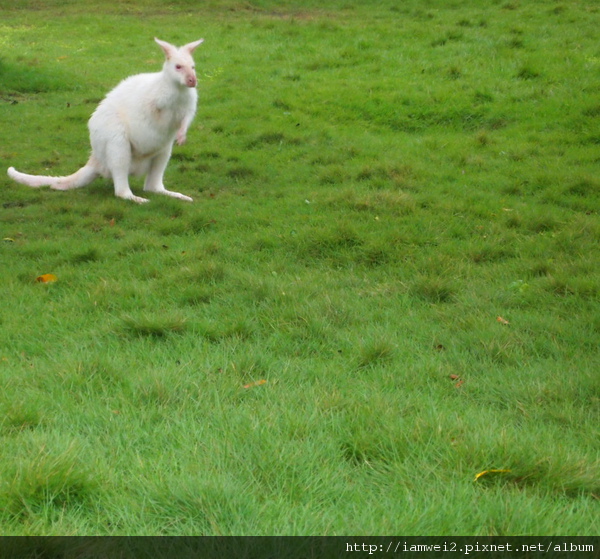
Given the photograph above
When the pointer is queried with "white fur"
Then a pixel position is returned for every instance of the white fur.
(133, 129)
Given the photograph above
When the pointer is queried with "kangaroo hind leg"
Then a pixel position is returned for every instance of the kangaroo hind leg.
(118, 160)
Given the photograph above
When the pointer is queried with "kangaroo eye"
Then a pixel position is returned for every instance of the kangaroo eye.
(178, 67)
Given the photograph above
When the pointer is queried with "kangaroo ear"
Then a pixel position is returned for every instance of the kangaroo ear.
(167, 47)
(190, 47)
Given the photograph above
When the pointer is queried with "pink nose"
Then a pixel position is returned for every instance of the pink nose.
(191, 81)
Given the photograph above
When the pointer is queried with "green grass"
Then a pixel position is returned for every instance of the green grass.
(375, 183)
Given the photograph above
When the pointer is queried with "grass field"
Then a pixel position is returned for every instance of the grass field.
(387, 284)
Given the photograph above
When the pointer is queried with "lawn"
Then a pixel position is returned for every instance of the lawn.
(387, 284)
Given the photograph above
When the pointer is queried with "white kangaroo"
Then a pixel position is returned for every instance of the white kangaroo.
(133, 129)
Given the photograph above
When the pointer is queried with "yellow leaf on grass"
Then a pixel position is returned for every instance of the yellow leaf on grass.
(486, 472)
(46, 278)
(257, 383)
(502, 320)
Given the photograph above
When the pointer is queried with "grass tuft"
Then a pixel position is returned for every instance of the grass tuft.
(375, 352)
(47, 484)
(19, 416)
(157, 327)
(90, 255)
(528, 73)
(434, 289)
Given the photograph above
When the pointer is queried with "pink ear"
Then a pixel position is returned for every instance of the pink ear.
(190, 47)
(167, 47)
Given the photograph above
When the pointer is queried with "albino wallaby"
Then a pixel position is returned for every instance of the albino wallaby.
(133, 129)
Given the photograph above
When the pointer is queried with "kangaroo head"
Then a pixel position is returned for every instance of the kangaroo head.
(179, 63)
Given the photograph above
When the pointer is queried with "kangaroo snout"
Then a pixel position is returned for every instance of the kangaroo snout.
(191, 80)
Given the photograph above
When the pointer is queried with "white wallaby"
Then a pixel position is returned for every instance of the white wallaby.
(133, 129)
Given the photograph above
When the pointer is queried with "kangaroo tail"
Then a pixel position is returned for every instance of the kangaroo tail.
(30, 180)
(84, 176)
